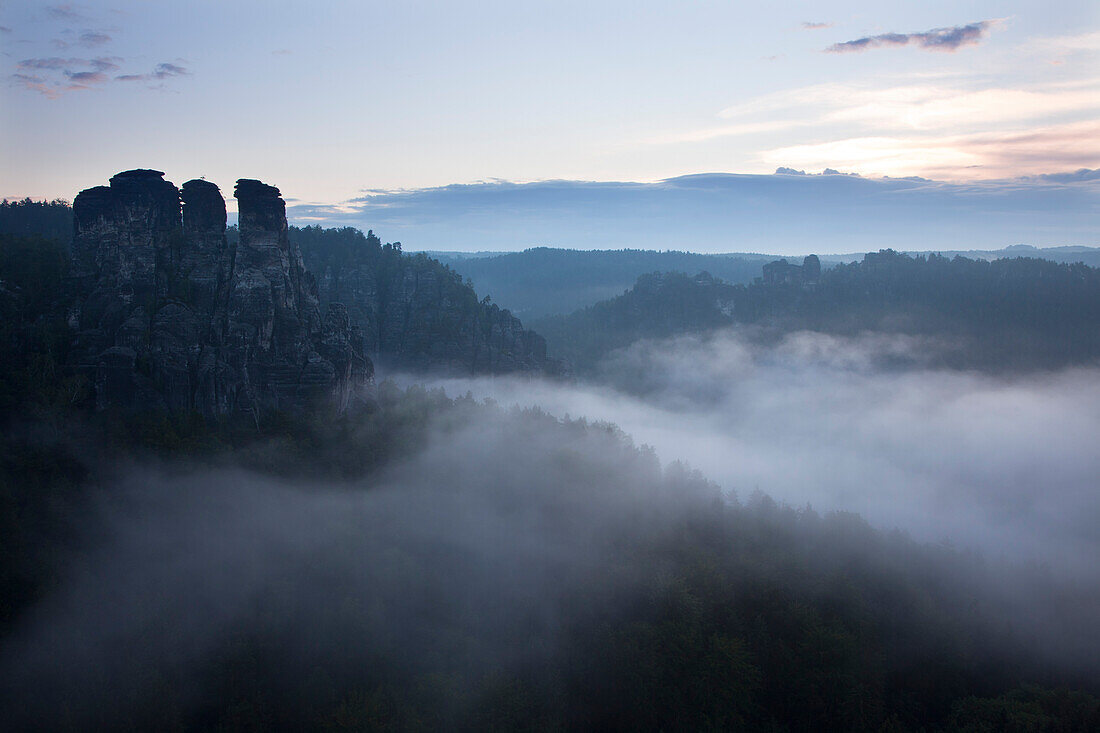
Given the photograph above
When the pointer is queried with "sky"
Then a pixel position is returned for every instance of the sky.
(342, 104)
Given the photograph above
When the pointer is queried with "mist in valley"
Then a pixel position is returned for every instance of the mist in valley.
(539, 526)
(460, 561)
(1006, 465)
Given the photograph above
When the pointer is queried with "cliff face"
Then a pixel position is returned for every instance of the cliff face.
(416, 313)
(169, 316)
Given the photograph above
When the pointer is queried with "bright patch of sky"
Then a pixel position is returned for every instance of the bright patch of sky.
(332, 98)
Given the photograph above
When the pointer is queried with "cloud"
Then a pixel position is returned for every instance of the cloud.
(65, 11)
(29, 75)
(1002, 464)
(53, 76)
(162, 71)
(34, 83)
(1081, 174)
(87, 39)
(106, 63)
(1088, 42)
(165, 71)
(809, 26)
(919, 105)
(4, 29)
(986, 155)
(941, 107)
(937, 39)
(54, 63)
(86, 77)
(91, 39)
(724, 212)
(930, 115)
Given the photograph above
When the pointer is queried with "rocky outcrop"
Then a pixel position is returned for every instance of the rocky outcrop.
(169, 316)
(415, 313)
(782, 272)
(205, 260)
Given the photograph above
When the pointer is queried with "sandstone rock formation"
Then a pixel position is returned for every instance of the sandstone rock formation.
(782, 272)
(169, 316)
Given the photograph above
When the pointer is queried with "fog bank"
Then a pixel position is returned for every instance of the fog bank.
(1004, 465)
(461, 560)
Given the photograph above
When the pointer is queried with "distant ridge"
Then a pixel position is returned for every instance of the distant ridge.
(544, 281)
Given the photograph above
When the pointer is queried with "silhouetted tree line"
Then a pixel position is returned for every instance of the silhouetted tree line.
(47, 219)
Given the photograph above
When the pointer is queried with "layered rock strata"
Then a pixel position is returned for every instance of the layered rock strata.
(169, 316)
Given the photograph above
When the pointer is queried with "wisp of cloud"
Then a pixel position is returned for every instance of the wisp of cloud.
(937, 39)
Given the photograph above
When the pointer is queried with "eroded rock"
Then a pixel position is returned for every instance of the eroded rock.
(170, 317)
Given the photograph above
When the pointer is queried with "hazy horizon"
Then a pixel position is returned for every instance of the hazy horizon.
(492, 126)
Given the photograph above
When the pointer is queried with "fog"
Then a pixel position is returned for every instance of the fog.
(508, 529)
(1007, 466)
(458, 560)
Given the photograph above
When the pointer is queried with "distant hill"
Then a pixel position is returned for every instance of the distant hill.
(544, 281)
(659, 305)
(1069, 255)
(1000, 315)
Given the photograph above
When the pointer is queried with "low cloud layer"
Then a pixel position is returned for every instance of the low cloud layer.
(937, 39)
(1005, 466)
(785, 214)
(506, 529)
(463, 558)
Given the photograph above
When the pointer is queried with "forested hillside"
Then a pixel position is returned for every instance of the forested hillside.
(542, 281)
(999, 315)
(417, 313)
(659, 305)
